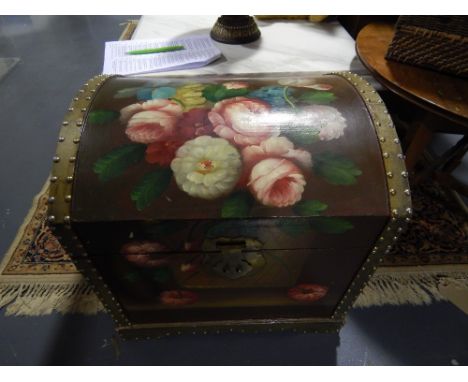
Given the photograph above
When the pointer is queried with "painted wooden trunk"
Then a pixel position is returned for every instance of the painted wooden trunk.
(250, 202)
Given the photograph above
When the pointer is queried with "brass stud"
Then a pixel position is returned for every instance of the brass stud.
(75, 99)
(56, 159)
(381, 238)
(79, 123)
(409, 211)
(404, 174)
(390, 174)
(88, 98)
(400, 229)
(61, 139)
(395, 238)
(51, 218)
(53, 179)
(400, 156)
(385, 155)
(407, 220)
(82, 91)
(389, 247)
(76, 140)
(69, 179)
(392, 192)
(395, 212)
(71, 109)
(68, 198)
(51, 200)
(396, 140)
(83, 109)
(407, 192)
(382, 139)
(72, 159)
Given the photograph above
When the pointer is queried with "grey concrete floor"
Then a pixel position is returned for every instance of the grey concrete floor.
(58, 54)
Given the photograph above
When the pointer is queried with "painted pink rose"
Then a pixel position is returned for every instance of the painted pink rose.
(178, 297)
(142, 253)
(276, 182)
(235, 85)
(151, 121)
(243, 121)
(307, 292)
(275, 147)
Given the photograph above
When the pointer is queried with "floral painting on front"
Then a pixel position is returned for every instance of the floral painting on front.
(244, 141)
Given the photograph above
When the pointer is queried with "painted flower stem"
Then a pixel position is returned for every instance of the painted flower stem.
(285, 95)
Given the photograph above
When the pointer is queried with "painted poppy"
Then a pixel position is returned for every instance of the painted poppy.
(178, 297)
(307, 292)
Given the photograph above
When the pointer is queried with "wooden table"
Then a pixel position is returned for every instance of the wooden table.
(444, 95)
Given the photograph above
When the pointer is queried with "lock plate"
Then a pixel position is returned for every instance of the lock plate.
(233, 258)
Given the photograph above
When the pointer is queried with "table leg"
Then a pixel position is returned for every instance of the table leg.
(422, 137)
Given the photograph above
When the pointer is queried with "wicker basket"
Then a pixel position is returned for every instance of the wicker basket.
(435, 42)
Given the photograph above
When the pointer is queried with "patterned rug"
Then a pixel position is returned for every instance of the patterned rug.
(37, 276)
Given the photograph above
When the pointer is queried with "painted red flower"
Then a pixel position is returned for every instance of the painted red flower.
(142, 253)
(162, 153)
(178, 297)
(194, 123)
(307, 292)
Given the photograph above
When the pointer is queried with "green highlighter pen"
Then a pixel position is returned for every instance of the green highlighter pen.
(157, 50)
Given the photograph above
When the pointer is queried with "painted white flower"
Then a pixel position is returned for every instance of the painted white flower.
(327, 120)
(207, 167)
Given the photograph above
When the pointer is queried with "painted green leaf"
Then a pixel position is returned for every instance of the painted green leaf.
(232, 228)
(336, 169)
(151, 186)
(332, 225)
(294, 227)
(160, 230)
(309, 207)
(116, 162)
(126, 93)
(162, 275)
(320, 97)
(132, 277)
(303, 135)
(215, 93)
(237, 205)
(101, 117)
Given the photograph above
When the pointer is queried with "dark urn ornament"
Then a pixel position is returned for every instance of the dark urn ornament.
(235, 30)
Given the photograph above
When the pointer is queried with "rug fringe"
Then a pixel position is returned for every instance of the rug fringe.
(418, 288)
(42, 299)
(386, 288)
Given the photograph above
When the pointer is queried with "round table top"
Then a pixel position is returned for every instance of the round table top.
(443, 94)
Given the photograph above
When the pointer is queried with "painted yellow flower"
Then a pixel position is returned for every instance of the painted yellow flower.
(191, 95)
(207, 167)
